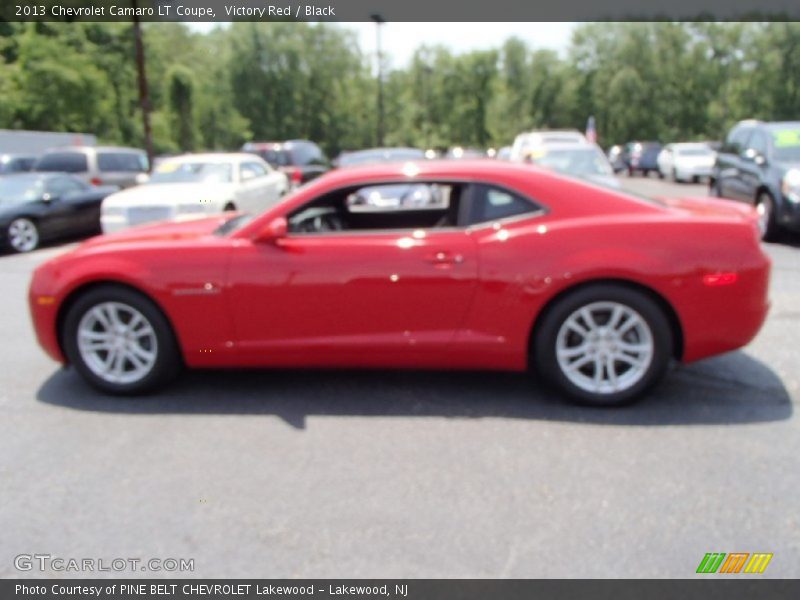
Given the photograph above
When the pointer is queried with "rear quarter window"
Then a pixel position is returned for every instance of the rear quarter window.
(67, 162)
(125, 162)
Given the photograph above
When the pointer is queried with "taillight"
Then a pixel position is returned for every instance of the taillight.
(716, 279)
(96, 181)
(296, 176)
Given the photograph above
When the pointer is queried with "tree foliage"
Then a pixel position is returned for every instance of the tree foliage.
(216, 90)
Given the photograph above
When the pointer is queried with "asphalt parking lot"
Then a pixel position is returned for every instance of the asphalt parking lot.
(405, 474)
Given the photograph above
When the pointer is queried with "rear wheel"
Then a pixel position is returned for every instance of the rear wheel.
(765, 207)
(603, 345)
(119, 341)
(22, 235)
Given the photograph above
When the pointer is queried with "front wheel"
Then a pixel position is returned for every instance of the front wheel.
(22, 235)
(120, 341)
(765, 207)
(603, 345)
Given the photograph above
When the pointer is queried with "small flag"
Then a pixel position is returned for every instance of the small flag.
(591, 132)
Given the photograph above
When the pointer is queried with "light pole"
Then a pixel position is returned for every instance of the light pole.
(378, 19)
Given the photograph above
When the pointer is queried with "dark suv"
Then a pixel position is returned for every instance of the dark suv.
(760, 163)
(301, 160)
(641, 157)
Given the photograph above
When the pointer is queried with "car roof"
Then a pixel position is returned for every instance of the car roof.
(86, 149)
(210, 157)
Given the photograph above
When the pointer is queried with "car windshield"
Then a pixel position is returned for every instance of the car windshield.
(787, 144)
(575, 161)
(192, 172)
(15, 190)
(695, 151)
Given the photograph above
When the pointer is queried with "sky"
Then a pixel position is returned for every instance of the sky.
(399, 40)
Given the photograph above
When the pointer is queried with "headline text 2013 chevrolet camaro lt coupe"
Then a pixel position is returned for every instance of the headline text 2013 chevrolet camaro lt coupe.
(440, 264)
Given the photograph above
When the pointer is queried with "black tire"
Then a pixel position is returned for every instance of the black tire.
(767, 224)
(229, 207)
(21, 241)
(544, 344)
(167, 362)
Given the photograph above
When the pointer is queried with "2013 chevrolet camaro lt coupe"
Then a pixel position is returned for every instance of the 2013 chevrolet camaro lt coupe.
(440, 264)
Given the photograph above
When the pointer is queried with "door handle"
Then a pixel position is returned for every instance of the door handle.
(445, 258)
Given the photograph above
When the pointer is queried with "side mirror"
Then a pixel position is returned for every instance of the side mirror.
(273, 231)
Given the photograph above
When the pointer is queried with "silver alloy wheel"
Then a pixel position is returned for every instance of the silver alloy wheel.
(604, 347)
(764, 210)
(117, 343)
(23, 235)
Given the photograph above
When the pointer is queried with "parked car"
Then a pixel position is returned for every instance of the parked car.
(459, 153)
(585, 160)
(642, 157)
(194, 186)
(519, 265)
(16, 163)
(377, 155)
(98, 165)
(686, 161)
(38, 207)
(525, 142)
(301, 160)
(618, 157)
(759, 163)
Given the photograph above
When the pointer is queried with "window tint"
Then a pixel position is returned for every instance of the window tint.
(307, 154)
(758, 142)
(490, 203)
(125, 162)
(388, 206)
(736, 140)
(68, 162)
(251, 170)
(60, 186)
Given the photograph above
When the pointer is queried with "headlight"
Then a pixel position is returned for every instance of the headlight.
(791, 185)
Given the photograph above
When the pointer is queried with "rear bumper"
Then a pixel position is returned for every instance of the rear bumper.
(725, 318)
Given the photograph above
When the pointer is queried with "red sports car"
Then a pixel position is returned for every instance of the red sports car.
(440, 264)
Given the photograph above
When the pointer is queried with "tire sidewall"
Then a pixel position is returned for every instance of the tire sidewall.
(36, 228)
(544, 346)
(167, 356)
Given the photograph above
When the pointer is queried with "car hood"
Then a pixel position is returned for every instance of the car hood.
(712, 207)
(169, 193)
(166, 232)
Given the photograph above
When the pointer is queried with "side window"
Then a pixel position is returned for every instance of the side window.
(389, 206)
(121, 162)
(61, 186)
(316, 157)
(758, 142)
(488, 203)
(68, 162)
(737, 138)
(251, 170)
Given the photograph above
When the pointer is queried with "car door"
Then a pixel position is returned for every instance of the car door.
(731, 183)
(71, 209)
(753, 163)
(367, 296)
